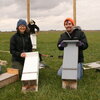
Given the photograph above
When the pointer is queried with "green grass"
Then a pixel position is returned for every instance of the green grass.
(49, 82)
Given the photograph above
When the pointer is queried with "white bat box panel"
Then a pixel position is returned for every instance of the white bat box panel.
(31, 66)
(29, 76)
(34, 40)
(69, 74)
(70, 60)
(70, 56)
(31, 62)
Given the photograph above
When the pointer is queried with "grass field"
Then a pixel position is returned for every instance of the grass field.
(49, 82)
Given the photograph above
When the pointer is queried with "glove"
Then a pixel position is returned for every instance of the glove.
(63, 44)
(79, 43)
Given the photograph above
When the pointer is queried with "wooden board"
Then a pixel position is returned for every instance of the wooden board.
(12, 71)
(29, 86)
(3, 62)
(7, 78)
(71, 84)
(92, 65)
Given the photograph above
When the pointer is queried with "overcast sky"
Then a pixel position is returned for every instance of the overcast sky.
(50, 14)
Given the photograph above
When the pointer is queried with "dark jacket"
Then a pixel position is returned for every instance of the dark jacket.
(20, 43)
(32, 28)
(77, 34)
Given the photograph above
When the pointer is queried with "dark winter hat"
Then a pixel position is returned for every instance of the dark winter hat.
(21, 22)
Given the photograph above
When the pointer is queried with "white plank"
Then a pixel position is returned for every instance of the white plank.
(30, 76)
(70, 56)
(5, 76)
(31, 66)
(34, 41)
(93, 64)
(31, 62)
(69, 74)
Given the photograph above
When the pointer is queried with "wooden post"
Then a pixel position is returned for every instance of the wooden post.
(28, 11)
(74, 11)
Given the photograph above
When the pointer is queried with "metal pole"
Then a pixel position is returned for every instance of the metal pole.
(74, 11)
(28, 11)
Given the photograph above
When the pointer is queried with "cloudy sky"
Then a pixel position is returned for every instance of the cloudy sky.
(50, 14)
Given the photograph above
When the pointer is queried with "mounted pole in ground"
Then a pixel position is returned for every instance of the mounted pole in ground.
(74, 11)
(28, 11)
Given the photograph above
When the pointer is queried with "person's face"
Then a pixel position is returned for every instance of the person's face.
(22, 28)
(68, 26)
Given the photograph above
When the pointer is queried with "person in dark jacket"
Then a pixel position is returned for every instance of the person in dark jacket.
(32, 26)
(19, 44)
(34, 30)
(73, 33)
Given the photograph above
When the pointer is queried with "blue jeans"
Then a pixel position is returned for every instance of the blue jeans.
(79, 71)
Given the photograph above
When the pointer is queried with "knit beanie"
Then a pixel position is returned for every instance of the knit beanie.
(69, 19)
(21, 22)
